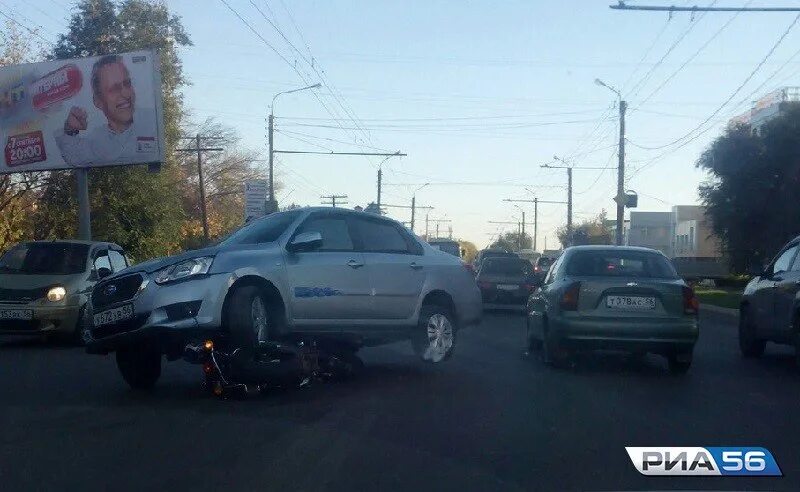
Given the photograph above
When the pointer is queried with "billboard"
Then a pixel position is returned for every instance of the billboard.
(88, 112)
(255, 195)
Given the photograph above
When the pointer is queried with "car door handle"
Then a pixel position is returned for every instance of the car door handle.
(415, 265)
(354, 264)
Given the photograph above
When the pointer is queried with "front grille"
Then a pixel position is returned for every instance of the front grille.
(121, 327)
(22, 295)
(21, 325)
(124, 289)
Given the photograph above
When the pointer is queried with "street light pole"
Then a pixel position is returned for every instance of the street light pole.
(620, 198)
(270, 137)
(414, 205)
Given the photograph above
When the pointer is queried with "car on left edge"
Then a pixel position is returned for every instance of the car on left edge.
(44, 286)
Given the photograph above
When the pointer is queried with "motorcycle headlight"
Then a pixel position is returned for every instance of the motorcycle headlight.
(184, 269)
(56, 294)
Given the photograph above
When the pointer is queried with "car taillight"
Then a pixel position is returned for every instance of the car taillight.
(569, 301)
(485, 285)
(690, 303)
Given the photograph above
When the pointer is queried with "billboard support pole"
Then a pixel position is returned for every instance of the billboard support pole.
(84, 209)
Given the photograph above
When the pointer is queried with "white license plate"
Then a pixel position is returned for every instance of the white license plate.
(630, 302)
(114, 315)
(507, 287)
(26, 314)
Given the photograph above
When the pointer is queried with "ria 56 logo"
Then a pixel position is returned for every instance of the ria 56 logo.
(704, 461)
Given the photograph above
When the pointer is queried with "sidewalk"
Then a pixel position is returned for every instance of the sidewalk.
(719, 310)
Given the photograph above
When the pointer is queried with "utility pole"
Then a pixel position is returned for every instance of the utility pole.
(413, 210)
(437, 222)
(84, 210)
(200, 149)
(621, 174)
(380, 185)
(536, 203)
(332, 199)
(426, 226)
(413, 207)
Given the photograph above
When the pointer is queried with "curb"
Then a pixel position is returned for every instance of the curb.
(719, 310)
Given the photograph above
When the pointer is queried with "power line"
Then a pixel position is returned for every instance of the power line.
(31, 31)
(622, 6)
(361, 145)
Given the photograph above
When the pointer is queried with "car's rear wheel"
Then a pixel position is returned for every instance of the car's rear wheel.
(140, 365)
(553, 353)
(434, 339)
(679, 362)
(749, 343)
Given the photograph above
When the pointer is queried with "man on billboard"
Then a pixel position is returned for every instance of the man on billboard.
(127, 133)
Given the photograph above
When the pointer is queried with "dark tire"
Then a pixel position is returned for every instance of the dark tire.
(533, 344)
(679, 363)
(553, 354)
(140, 366)
(247, 323)
(749, 343)
(434, 338)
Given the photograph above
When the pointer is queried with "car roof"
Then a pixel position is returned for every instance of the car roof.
(611, 247)
(74, 241)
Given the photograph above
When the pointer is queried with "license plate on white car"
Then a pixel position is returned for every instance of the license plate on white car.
(507, 287)
(114, 315)
(630, 302)
(24, 314)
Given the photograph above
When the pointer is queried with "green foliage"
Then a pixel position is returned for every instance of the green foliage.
(751, 197)
(135, 208)
(592, 231)
(512, 241)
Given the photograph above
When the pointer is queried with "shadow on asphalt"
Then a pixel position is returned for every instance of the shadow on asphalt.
(33, 343)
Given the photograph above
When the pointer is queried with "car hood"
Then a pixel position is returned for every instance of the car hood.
(156, 264)
(25, 282)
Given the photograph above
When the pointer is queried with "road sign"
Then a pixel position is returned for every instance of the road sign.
(255, 196)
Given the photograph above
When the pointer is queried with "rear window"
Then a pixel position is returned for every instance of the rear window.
(507, 266)
(452, 248)
(45, 259)
(619, 264)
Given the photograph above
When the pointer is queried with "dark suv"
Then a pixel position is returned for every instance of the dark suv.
(770, 307)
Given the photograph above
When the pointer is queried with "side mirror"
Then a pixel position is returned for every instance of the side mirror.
(305, 241)
(103, 272)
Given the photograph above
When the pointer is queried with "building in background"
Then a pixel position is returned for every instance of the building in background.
(651, 230)
(768, 107)
(693, 236)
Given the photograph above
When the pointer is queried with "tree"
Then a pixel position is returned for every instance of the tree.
(512, 241)
(130, 205)
(17, 190)
(592, 231)
(469, 250)
(751, 195)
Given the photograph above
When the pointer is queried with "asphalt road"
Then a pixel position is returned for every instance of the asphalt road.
(489, 419)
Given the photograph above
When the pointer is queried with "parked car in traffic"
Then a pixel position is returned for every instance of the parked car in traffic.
(505, 283)
(613, 297)
(446, 245)
(492, 253)
(541, 266)
(44, 285)
(770, 305)
(314, 274)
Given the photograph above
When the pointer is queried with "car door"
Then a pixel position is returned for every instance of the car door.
(764, 296)
(329, 284)
(395, 263)
(787, 285)
(538, 302)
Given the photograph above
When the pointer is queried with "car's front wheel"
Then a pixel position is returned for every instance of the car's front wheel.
(140, 365)
(749, 343)
(435, 336)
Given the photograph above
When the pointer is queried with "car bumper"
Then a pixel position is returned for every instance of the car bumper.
(652, 335)
(46, 320)
(172, 311)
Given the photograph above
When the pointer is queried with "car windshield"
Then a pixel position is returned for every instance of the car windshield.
(264, 230)
(619, 263)
(507, 266)
(45, 259)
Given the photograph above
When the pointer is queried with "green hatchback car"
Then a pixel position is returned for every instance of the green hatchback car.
(613, 298)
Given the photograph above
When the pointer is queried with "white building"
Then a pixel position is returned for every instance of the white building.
(768, 107)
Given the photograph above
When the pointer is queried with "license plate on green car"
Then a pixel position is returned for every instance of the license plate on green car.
(630, 302)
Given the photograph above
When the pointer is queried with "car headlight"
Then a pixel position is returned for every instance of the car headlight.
(184, 269)
(56, 294)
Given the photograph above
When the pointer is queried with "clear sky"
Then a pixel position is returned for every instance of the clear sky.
(479, 94)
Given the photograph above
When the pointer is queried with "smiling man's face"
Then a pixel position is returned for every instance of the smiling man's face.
(115, 96)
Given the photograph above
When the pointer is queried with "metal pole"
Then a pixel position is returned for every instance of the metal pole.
(621, 174)
(569, 206)
(271, 156)
(535, 221)
(84, 208)
(413, 209)
(380, 179)
(426, 226)
(202, 188)
(437, 229)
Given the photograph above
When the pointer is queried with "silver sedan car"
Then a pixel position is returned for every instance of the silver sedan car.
(318, 273)
(617, 298)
